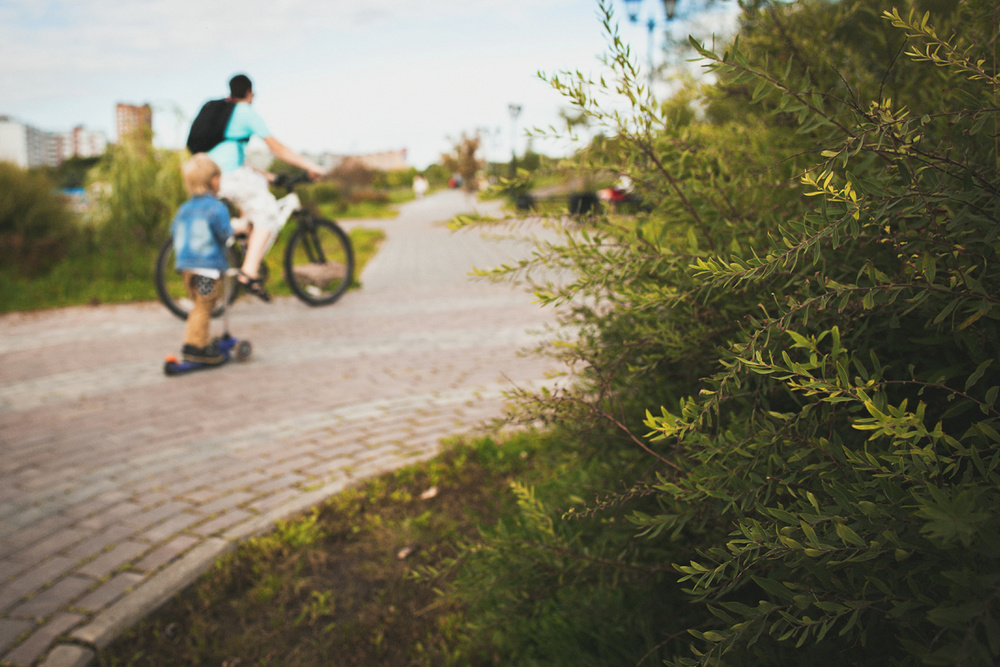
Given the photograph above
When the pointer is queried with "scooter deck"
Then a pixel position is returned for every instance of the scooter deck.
(175, 366)
(230, 347)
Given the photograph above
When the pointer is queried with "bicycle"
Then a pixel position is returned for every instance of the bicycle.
(318, 259)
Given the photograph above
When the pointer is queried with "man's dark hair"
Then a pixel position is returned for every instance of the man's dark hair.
(239, 86)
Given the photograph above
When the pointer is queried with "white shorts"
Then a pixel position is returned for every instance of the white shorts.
(247, 189)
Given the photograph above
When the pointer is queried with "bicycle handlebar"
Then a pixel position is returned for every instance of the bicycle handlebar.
(289, 182)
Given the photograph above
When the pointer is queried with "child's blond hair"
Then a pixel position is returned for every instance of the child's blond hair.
(198, 173)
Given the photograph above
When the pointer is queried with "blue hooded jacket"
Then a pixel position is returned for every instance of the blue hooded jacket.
(201, 229)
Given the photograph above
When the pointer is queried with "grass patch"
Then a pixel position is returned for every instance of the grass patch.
(368, 209)
(118, 276)
(125, 275)
(330, 587)
(364, 241)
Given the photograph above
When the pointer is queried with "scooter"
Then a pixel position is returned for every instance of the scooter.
(231, 348)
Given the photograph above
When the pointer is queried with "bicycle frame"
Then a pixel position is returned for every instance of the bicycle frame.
(288, 205)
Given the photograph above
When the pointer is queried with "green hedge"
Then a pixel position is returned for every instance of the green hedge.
(789, 366)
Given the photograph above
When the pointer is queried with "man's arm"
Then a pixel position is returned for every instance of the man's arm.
(286, 154)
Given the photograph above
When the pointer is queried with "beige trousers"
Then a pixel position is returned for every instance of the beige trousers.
(205, 293)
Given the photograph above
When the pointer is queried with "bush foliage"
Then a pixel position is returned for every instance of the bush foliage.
(137, 189)
(783, 443)
(36, 226)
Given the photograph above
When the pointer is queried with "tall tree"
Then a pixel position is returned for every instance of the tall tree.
(463, 161)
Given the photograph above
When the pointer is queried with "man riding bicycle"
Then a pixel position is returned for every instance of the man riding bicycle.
(247, 187)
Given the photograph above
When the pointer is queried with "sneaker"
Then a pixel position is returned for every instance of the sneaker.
(210, 354)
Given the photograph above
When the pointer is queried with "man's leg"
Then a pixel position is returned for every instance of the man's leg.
(257, 244)
(248, 189)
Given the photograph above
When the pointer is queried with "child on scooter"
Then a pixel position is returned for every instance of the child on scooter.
(200, 230)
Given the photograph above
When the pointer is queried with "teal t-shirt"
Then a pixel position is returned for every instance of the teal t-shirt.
(244, 123)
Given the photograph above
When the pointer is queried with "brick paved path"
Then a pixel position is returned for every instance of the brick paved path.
(120, 485)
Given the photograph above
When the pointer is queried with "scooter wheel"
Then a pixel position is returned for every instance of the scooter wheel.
(243, 350)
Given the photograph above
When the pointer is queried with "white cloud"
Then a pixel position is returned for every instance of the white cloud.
(336, 75)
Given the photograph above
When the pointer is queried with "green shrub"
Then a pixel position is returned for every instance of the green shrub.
(437, 175)
(788, 369)
(323, 193)
(72, 173)
(369, 197)
(36, 226)
(137, 189)
(398, 178)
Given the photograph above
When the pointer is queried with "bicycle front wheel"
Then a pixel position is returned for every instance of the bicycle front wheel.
(170, 284)
(319, 261)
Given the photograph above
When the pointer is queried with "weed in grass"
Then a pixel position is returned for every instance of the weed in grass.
(330, 587)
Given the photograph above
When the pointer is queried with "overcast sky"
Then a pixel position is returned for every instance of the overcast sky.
(329, 75)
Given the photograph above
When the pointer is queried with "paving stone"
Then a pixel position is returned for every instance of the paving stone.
(34, 579)
(108, 592)
(268, 503)
(55, 543)
(170, 527)
(96, 504)
(286, 481)
(221, 522)
(155, 514)
(11, 568)
(53, 598)
(11, 629)
(165, 553)
(40, 530)
(111, 560)
(39, 642)
(68, 655)
(226, 503)
(100, 542)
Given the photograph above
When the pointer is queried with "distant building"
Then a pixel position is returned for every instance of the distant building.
(26, 146)
(385, 161)
(129, 117)
(79, 142)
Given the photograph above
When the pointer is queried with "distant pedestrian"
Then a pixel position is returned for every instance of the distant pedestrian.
(200, 231)
(419, 186)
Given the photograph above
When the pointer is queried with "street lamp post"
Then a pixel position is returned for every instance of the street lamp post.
(632, 9)
(515, 111)
(650, 24)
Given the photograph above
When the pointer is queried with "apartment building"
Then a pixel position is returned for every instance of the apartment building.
(384, 161)
(129, 117)
(27, 146)
(80, 142)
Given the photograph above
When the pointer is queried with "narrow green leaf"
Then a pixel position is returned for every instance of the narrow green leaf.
(978, 373)
(775, 588)
(848, 536)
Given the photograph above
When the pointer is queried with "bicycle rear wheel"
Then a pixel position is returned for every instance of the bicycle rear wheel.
(170, 284)
(319, 261)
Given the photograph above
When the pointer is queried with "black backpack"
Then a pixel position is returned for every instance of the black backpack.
(209, 127)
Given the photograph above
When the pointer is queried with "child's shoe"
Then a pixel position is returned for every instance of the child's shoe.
(210, 354)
